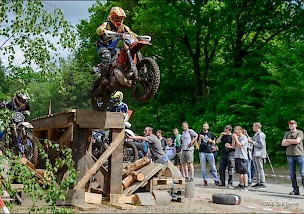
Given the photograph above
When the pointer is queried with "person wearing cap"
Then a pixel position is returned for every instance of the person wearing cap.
(293, 141)
(227, 157)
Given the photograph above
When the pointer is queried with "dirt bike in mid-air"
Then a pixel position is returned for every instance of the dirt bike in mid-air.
(128, 69)
(17, 138)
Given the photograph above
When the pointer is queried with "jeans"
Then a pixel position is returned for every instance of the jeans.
(163, 160)
(249, 171)
(292, 160)
(210, 158)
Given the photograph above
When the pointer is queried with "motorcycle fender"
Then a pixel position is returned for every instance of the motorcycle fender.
(27, 125)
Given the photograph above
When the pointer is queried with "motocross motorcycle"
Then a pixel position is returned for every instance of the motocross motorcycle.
(101, 142)
(128, 69)
(17, 138)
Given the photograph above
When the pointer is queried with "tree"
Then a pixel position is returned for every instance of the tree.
(28, 26)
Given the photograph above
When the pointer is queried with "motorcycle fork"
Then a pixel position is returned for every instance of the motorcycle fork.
(132, 64)
(18, 140)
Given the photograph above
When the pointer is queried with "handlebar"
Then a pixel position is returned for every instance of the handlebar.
(111, 33)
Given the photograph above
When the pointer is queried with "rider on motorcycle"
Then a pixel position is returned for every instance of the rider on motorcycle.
(106, 46)
(19, 103)
(116, 104)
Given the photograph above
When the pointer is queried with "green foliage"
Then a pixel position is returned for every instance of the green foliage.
(47, 189)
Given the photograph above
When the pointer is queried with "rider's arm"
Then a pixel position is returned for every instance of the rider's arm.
(127, 29)
(101, 29)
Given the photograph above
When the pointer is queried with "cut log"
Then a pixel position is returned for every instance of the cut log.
(139, 176)
(102, 159)
(127, 181)
(135, 166)
(171, 171)
(131, 178)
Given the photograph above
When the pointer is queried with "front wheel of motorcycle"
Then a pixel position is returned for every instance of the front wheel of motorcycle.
(130, 152)
(100, 96)
(148, 80)
(30, 143)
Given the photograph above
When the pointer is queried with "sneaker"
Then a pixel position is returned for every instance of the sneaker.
(295, 192)
(261, 186)
(205, 183)
(191, 180)
(186, 179)
(239, 186)
(256, 185)
(217, 183)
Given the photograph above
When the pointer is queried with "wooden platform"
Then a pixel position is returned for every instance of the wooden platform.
(73, 128)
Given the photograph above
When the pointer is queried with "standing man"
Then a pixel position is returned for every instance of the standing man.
(155, 146)
(293, 140)
(206, 140)
(188, 138)
(227, 158)
(240, 143)
(258, 142)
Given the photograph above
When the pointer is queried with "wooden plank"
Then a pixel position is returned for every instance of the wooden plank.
(115, 165)
(153, 169)
(102, 159)
(92, 198)
(122, 199)
(17, 186)
(99, 177)
(99, 120)
(85, 207)
(54, 121)
(169, 186)
(67, 136)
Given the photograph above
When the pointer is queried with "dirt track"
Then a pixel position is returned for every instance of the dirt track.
(274, 199)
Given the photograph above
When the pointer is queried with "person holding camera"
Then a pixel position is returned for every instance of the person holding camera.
(227, 158)
(206, 140)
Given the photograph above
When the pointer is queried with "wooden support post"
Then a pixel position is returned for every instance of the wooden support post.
(114, 144)
(79, 150)
(115, 166)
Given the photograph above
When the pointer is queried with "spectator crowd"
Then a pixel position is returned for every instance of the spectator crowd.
(240, 153)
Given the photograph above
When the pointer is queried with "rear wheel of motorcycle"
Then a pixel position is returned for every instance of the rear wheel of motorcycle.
(130, 152)
(100, 97)
(31, 152)
(149, 79)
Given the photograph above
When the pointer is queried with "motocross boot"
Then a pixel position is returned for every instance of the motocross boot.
(104, 74)
(121, 78)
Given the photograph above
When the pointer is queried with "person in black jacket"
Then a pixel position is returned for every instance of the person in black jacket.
(227, 158)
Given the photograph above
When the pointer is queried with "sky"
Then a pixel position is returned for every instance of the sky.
(74, 11)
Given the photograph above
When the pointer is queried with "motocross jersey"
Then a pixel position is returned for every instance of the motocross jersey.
(106, 41)
(121, 107)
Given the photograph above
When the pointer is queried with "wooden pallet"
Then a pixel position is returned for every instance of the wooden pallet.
(166, 182)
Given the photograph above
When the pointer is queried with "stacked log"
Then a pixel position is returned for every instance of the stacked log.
(132, 172)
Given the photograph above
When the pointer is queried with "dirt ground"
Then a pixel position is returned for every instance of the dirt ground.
(274, 199)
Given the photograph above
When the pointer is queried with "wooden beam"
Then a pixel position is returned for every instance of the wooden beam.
(115, 165)
(99, 177)
(92, 171)
(92, 198)
(54, 121)
(99, 120)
